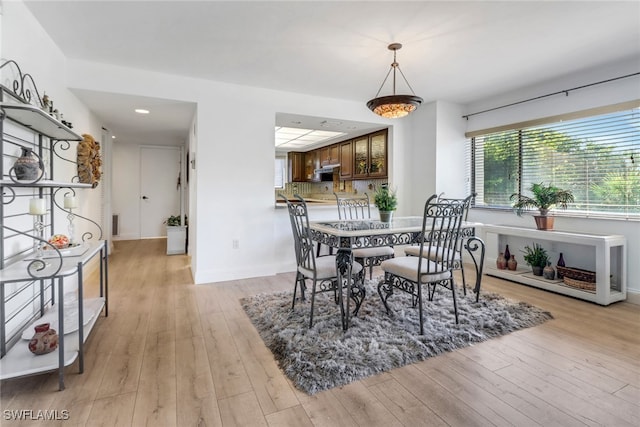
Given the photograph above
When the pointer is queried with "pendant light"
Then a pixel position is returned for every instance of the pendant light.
(394, 106)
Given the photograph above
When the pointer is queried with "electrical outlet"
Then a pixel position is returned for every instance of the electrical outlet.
(236, 244)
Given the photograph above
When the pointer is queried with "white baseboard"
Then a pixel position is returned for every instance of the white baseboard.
(633, 297)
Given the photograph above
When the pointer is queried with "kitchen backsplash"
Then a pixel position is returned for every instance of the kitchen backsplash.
(355, 187)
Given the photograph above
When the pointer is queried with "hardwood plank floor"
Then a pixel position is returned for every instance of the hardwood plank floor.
(175, 354)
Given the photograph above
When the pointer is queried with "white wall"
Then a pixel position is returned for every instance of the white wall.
(601, 95)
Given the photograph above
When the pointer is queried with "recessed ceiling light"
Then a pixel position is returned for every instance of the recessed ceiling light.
(142, 111)
(113, 137)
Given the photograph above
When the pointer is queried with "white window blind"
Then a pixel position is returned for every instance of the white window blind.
(597, 158)
(280, 172)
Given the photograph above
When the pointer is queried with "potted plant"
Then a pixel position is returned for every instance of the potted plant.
(386, 201)
(544, 198)
(536, 257)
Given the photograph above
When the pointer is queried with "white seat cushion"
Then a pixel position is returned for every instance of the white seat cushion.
(434, 253)
(371, 252)
(326, 268)
(407, 267)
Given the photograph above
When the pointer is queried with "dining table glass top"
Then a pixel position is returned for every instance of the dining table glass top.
(358, 228)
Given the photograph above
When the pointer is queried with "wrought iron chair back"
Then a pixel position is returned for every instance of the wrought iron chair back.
(350, 208)
(299, 217)
(353, 207)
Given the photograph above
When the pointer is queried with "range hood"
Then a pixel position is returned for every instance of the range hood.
(327, 168)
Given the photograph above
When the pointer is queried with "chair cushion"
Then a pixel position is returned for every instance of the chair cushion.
(407, 267)
(434, 253)
(371, 252)
(326, 268)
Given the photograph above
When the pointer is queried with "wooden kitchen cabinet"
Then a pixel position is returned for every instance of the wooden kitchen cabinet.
(330, 155)
(370, 156)
(311, 163)
(296, 167)
(346, 159)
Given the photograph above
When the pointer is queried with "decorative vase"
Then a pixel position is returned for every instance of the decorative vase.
(28, 166)
(44, 341)
(386, 216)
(501, 261)
(560, 264)
(548, 272)
(537, 270)
(507, 254)
(512, 264)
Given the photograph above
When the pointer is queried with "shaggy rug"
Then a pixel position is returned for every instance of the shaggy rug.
(324, 356)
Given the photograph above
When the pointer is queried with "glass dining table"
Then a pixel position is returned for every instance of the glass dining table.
(346, 235)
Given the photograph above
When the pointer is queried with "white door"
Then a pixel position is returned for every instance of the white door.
(159, 189)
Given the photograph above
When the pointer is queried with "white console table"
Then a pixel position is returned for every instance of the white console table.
(604, 254)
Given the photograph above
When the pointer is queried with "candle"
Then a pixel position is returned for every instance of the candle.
(70, 202)
(37, 207)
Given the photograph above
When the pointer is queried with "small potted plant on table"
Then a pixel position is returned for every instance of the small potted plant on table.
(386, 202)
(544, 198)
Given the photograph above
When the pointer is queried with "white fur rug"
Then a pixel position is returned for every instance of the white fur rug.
(324, 356)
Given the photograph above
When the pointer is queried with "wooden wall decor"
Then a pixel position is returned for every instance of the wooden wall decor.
(89, 160)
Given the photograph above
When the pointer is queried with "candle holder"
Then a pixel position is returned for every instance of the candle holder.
(71, 227)
(70, 203)
(37, 208)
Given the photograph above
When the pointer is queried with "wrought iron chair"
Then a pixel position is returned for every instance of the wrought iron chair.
(436, 255)
(359, 208)
(321, 270)
(441, 231)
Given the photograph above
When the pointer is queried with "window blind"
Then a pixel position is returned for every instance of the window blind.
(597, 158)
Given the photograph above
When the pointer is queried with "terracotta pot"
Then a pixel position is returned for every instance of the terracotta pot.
(44, 341)
(544, 222)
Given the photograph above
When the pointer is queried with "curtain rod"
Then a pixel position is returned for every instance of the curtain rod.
(566, 92)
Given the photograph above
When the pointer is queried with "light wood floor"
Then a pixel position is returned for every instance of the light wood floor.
(175, 354)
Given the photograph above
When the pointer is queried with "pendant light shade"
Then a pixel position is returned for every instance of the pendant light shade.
(394, 106)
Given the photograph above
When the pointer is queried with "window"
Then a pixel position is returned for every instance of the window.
(596, 157)
(281, 172)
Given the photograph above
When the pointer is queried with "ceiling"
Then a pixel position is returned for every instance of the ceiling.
(458, 51)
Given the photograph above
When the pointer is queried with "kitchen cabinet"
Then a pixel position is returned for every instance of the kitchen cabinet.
(311, 163)
(346, 159)
(370, 156)
(296, 167)
(330, 155)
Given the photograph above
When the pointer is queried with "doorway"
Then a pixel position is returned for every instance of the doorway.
(160, 189)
